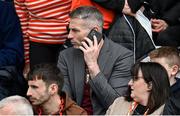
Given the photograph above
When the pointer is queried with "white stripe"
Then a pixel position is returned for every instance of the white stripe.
(45, 40)
(45, 28)
(34, 2)
(49, 23)
(50, 37)
(43, 6)
(39, 5)
(61, 32)
(53, 10)
(59, 13)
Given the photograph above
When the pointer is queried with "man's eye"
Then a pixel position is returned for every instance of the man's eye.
(34, 87)
(74, 30)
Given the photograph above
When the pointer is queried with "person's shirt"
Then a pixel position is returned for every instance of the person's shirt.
(109, 15)
(11, 42)
(43, 21)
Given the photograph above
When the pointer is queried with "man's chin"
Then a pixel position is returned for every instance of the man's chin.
(34, 103)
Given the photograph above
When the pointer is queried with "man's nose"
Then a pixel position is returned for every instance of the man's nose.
(70, 36)
(28, 92)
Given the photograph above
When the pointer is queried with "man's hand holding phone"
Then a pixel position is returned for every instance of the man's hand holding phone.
(91, 51)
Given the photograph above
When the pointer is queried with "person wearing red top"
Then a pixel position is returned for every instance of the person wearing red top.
(45, 92)
(43, 23)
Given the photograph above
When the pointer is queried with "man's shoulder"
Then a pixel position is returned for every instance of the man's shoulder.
(68, 51)
(117, 48)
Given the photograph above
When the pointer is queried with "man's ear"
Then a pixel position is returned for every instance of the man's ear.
(53, 88)
(149, 86)
(96, 28)
(174, 70)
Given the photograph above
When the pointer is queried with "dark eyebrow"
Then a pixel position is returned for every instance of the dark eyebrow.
(33, 86)
(74, 29)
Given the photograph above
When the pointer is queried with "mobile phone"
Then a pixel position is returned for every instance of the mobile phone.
(96, 33)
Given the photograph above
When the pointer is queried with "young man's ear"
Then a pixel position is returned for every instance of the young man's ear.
(53, 88)
(174, 70)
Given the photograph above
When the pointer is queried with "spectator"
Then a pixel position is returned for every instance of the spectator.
(169, 57)
(166, 23)
(95, 73)
(108, 15)
(43, 24)
(11, 52)
(149, 90)
(11, 42)
(15, 105)
(129, 29)
(164, 15)
(45, 83)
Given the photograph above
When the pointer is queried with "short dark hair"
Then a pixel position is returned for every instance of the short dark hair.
(47, 72)
(89, 13)
(157, 75)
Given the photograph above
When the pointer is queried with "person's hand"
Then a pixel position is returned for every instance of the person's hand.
(127, 10)
(158, 25)
(91, 51)
(26, 70)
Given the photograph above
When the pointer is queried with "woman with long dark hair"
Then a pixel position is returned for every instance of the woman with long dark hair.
(148, 91)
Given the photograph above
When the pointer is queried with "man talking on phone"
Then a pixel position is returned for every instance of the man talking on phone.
(95, 73)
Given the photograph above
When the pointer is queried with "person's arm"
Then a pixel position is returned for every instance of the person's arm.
(135, 5)
(172, 17)
(23, 15)
(169, 18)
(107, 89)
(116, 5)
(11, 48)
(63, 67)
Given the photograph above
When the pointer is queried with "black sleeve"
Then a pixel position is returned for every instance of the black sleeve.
(116, 5)
(172, 16)
(135, 5)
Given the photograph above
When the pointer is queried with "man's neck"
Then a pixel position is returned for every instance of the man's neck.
(52, 106)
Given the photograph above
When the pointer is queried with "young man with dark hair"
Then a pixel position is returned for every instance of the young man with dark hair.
(45, 92)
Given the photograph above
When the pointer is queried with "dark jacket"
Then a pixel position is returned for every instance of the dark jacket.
(11, 42)
(167, 10)
(172, 106)
(127, 31)
(11, 82)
